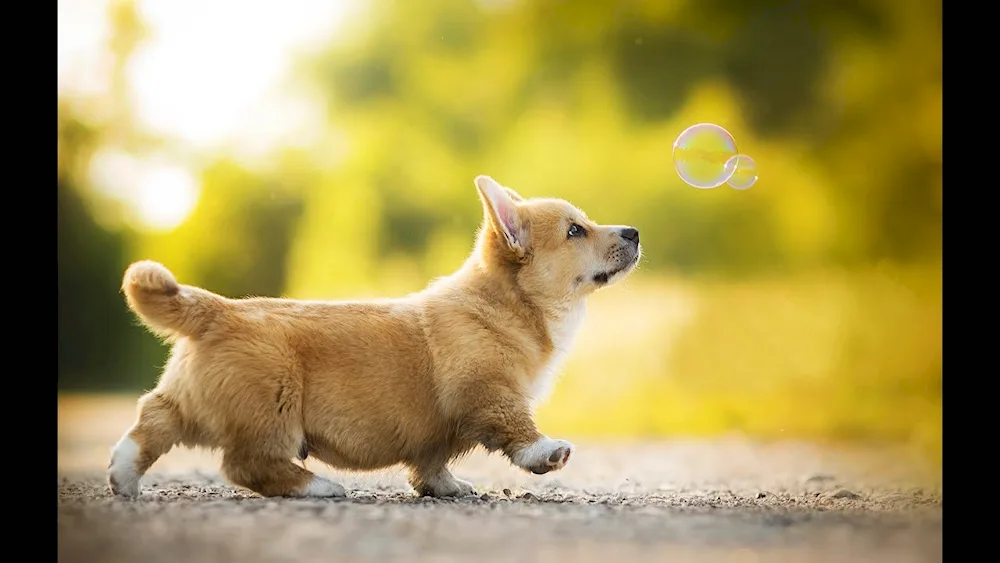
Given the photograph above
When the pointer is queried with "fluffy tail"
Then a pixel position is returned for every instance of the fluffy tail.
(169, 309)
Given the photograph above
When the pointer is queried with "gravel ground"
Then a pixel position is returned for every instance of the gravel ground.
(722, 500)
(727, 500)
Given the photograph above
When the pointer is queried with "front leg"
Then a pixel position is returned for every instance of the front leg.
(501, 421)
(438, 483)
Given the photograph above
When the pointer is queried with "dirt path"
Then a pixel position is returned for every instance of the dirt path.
(690, 501)
(726, 500)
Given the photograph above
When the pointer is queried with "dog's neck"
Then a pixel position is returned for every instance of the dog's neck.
(553, 323)
(563, 325)
(553, 326)
(499, 285)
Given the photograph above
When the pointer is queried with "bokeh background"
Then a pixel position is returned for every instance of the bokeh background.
(326, 149)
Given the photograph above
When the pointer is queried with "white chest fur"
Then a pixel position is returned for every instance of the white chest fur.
(562, 332)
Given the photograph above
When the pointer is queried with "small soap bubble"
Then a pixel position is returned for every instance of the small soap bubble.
(703, 155)
(744, 172)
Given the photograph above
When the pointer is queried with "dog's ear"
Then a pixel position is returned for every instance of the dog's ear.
(514, 195)
(502, 212)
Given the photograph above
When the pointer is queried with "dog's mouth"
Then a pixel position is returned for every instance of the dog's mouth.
(603, 278)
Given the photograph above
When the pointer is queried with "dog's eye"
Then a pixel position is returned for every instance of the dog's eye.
(576, 231)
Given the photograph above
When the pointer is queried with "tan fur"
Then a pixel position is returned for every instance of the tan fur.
(417, 380)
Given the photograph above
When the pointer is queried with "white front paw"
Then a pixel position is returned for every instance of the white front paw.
(456, 488)
(323, 488)
(123, 479)
(444, 484)
(544, 455)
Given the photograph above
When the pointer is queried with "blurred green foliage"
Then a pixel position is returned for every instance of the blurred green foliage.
(824, 354)
(839, 102)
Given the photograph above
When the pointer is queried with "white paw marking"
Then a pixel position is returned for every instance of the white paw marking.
(122, 476)
(544, 455)
(444, 484)
(323, 488)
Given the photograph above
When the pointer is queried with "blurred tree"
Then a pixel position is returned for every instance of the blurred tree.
(99, 344)
(89, 261)
(237, 237)
(99, 348)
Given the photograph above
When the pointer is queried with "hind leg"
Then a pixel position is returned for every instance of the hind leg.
(271, 476)
(156, 430)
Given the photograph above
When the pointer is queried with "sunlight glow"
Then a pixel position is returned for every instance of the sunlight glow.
(167, 194)
(213, 73)
(159, 196)
(82, 33)
(208, 76)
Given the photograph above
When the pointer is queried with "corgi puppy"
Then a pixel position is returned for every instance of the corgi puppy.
(418, 380)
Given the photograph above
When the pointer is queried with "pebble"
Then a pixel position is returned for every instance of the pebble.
(842, 493)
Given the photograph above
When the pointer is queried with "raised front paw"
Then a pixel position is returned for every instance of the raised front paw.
(544, 455)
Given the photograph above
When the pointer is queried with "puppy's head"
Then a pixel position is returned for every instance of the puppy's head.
(554, 250)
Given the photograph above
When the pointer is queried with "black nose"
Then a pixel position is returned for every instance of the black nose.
(631, 234)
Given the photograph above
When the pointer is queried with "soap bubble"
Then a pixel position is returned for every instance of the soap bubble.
(703, 155)
(744, 172)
